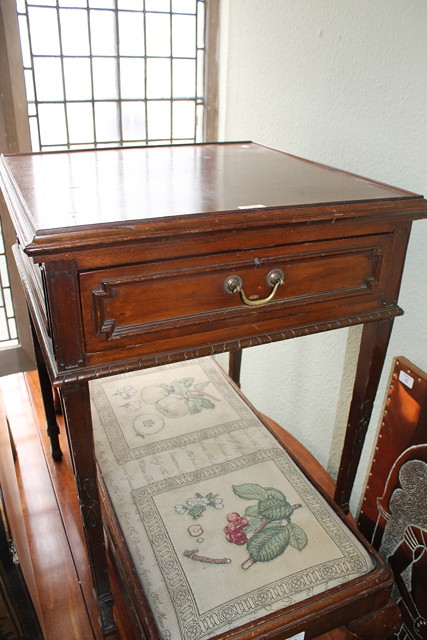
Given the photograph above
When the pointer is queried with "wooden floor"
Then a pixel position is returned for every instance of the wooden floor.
(64, 601)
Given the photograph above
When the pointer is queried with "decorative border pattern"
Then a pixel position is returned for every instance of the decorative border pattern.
(254, 602)
(114, 433)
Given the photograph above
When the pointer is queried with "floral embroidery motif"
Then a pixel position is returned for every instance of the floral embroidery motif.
(178, 398)
(126, 392)
(195, 507)
(269, 522)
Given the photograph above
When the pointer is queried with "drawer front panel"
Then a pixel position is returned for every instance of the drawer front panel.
(139, 304)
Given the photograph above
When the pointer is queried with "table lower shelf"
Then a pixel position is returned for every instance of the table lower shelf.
(63, 532)
(194, 489)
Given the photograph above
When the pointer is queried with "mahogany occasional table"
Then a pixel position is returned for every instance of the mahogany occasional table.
(132, 258)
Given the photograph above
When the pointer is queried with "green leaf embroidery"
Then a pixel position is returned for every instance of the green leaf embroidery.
(297, 536)
(196, 407)
(275, 493)
(196, 511)
(250, 491)
(268, 544)
(201, 385)
(274, 508)
(181, 387)
(254, 525)
(268, 536)
(252, 511)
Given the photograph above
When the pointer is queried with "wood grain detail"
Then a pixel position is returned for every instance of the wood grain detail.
(134, 303)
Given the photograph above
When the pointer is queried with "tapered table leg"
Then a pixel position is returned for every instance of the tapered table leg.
(235, 365)
(373, 348)
(76, 406)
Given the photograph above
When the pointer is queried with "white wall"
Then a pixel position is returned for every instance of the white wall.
(342, 82)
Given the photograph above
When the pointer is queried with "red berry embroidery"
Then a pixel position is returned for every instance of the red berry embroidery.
(234, 530)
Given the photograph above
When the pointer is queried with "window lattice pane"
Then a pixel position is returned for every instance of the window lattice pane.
(102, 72)
(48, 79)
(132, 78)
(133, 118)
(183, 120)
(107, 121)
(105, 79)
(184, 6)
(53, 126)
(158, 78)
(157, 5)
(183, 36)
(184, 75)
(131, 33)
(158, 34)
(8, 335)
(74, 32)
(102, 4)
(78, 78)
(159, 120)
(103, 33)
(44, 31)
(79, 115)
(72, 3)
(135, 5)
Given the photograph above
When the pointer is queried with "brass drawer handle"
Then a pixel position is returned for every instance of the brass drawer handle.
(234, 284)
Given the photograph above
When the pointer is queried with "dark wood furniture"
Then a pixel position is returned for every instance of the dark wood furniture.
(129, 259)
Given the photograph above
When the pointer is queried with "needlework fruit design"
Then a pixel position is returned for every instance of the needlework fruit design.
(265, 527)
(178, 398)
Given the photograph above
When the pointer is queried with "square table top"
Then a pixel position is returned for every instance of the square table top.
(134, 187)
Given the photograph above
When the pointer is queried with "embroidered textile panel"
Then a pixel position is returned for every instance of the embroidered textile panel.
(221, 524)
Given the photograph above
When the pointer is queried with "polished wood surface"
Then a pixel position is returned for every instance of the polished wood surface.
(12, 507)
(112, 187)
(48, 563)
(125, 256)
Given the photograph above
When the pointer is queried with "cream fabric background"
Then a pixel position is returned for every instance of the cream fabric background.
(175, 446)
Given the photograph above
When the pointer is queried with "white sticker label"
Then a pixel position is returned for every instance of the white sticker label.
(254, 206)
(299, 636)
(406, 379)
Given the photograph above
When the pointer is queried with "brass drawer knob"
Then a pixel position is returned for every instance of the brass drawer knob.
(234, 284)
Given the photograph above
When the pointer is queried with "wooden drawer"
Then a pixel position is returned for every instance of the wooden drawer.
(144, 303)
